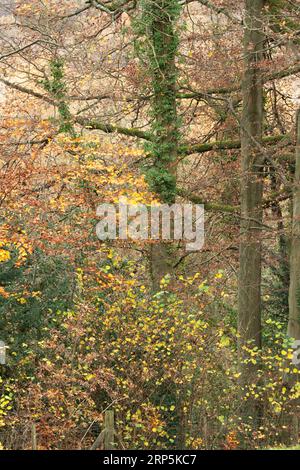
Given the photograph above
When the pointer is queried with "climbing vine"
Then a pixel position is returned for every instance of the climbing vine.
(57, 88)
(157, 46)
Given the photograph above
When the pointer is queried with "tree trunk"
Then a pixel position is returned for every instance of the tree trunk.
(294, 290)
(161, 262)
(249, 295)
(161, 34)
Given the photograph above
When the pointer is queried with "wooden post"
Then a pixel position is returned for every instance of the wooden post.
(98, 441)
(33, 437)
(2, 353)
(109, 419)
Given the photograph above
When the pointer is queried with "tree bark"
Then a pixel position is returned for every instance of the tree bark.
(294, 289)
(249, 293)
(162, 37)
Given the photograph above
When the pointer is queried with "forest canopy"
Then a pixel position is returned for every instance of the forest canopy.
(156, 103)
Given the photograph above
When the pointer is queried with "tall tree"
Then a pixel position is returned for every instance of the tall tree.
(159, 29)
(294, 290)
(249, 295)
